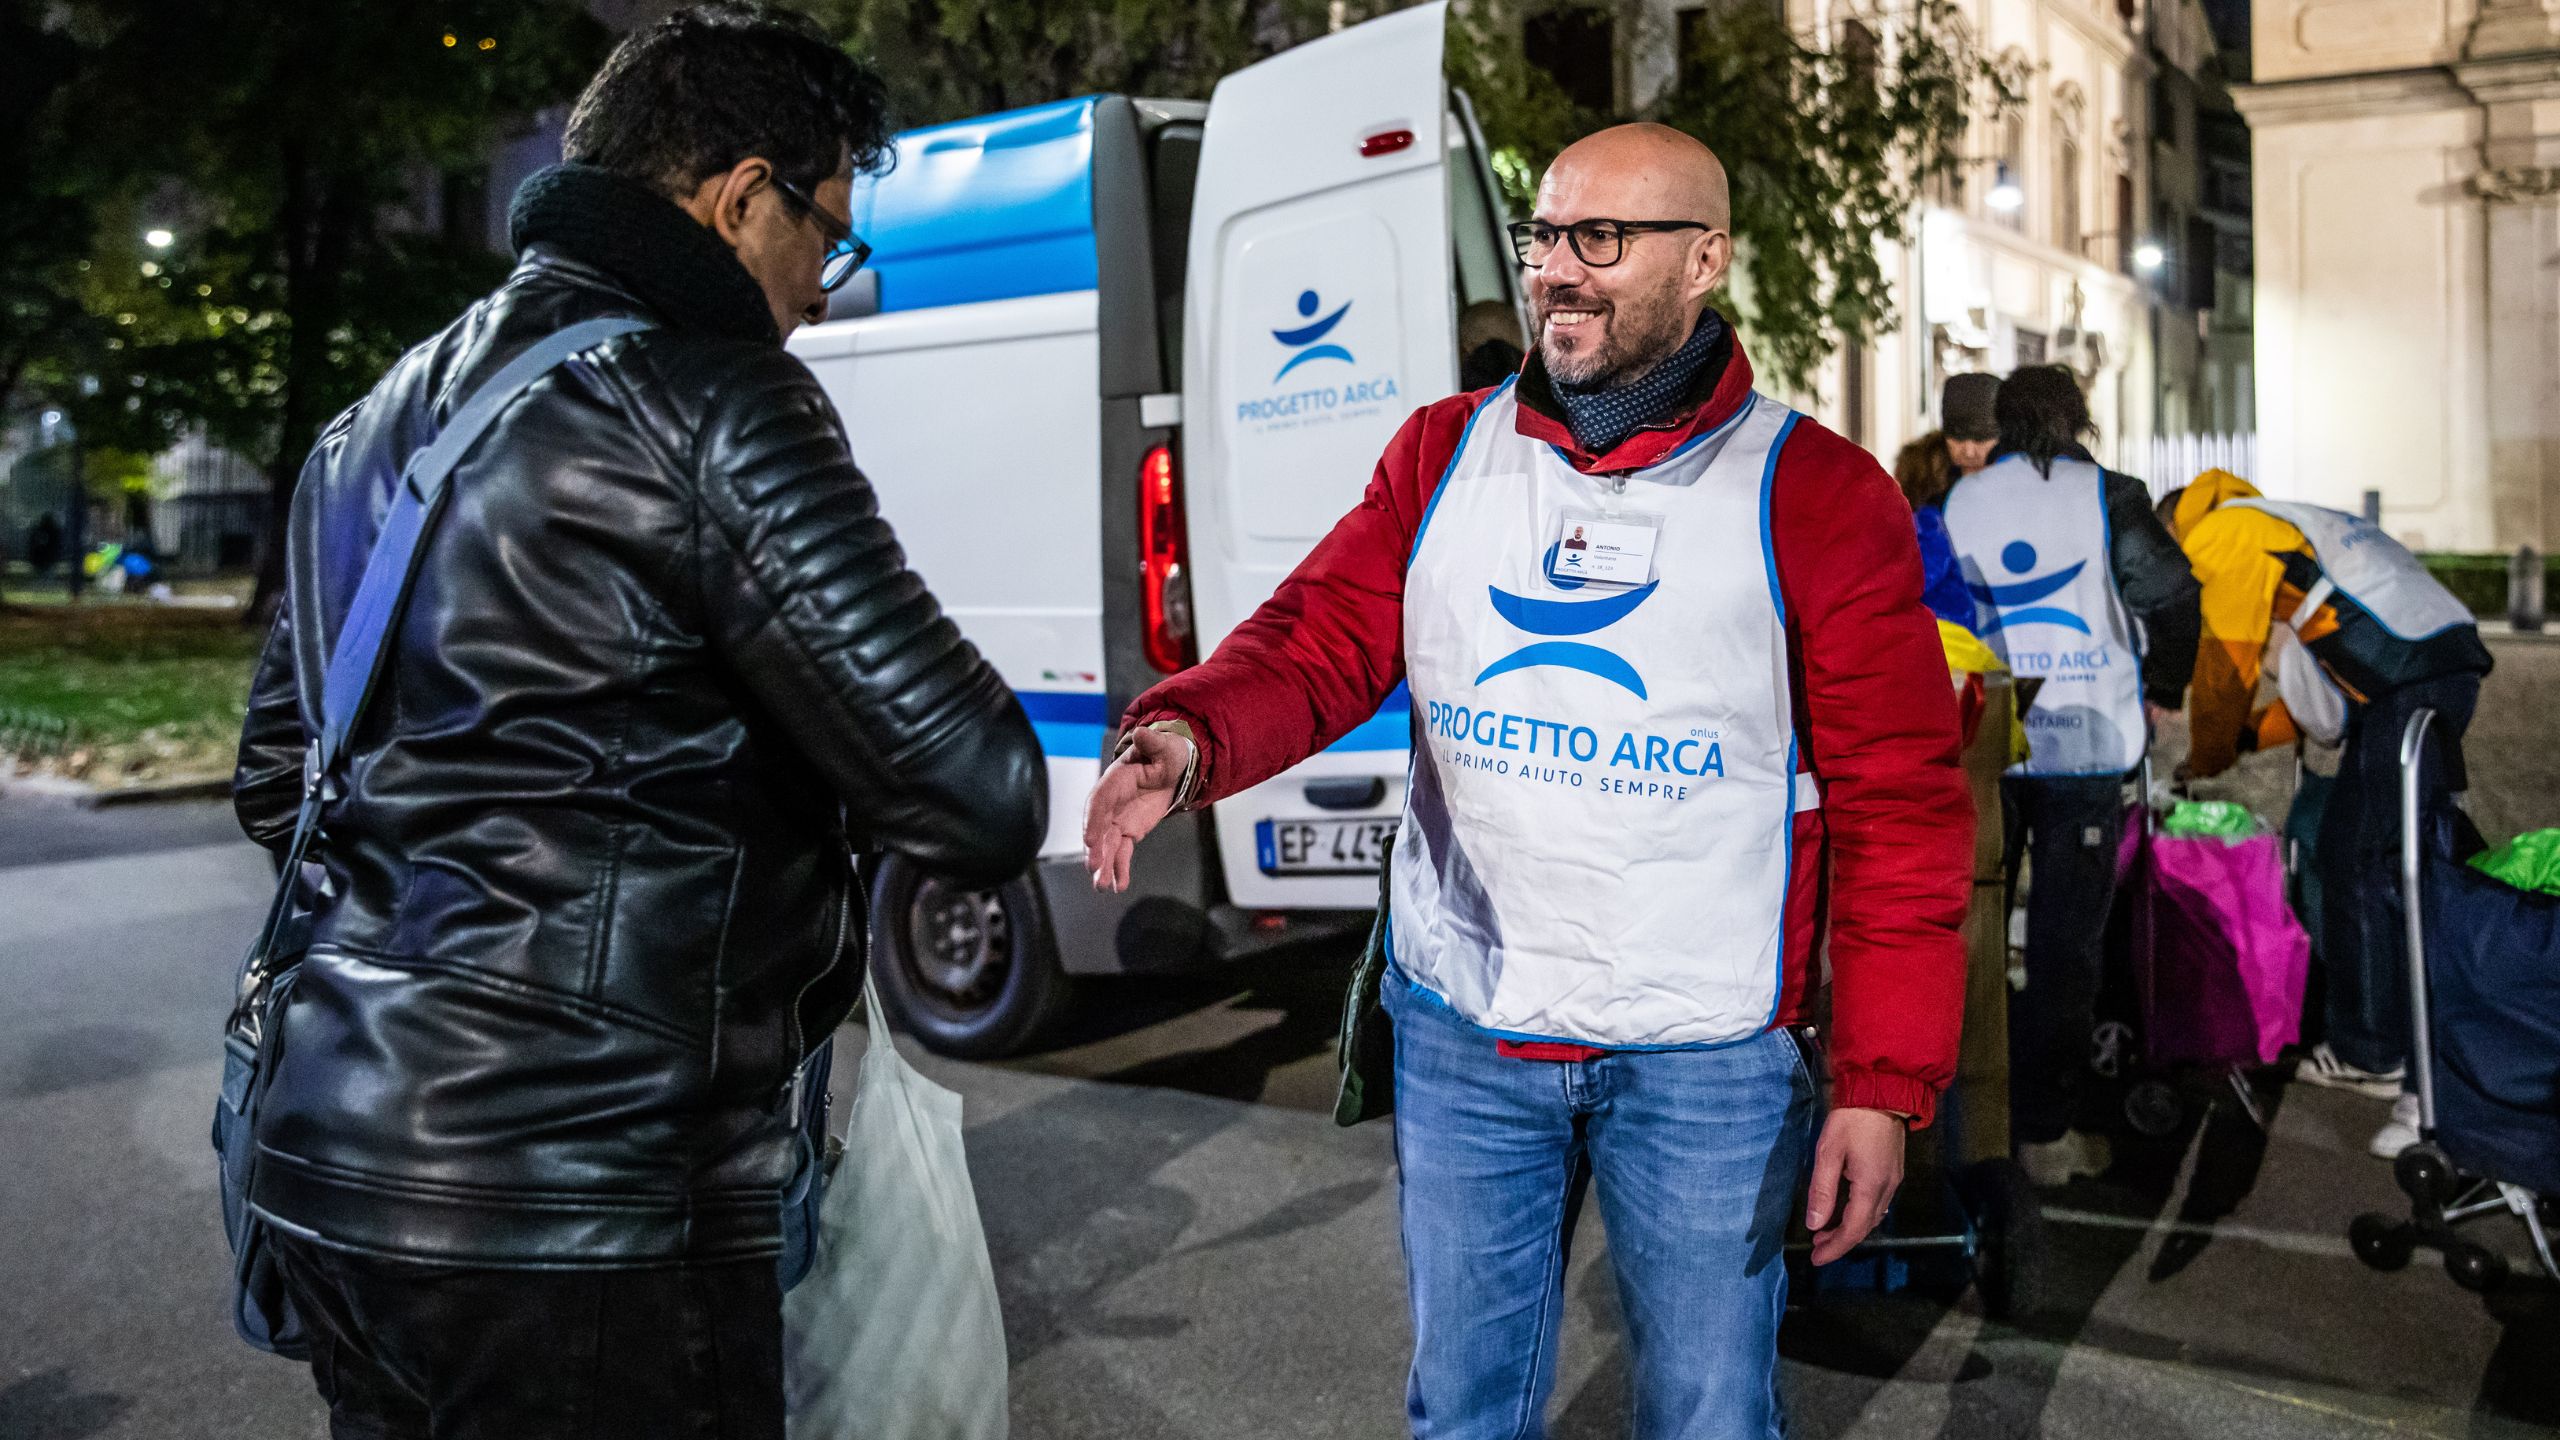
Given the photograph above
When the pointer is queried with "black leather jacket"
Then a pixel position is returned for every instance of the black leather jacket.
(588, 895)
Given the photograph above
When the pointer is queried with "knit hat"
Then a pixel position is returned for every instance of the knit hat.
(1964, 407)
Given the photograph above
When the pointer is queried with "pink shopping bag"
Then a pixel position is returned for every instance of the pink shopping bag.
(2222, 960)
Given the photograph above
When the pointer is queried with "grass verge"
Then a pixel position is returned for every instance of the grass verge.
(123, 692)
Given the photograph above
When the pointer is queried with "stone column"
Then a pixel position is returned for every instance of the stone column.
(2519, 181)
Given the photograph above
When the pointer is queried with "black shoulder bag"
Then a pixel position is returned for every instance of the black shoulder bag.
(1365, 1050)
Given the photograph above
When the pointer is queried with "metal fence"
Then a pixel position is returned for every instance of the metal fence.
(210, 508)
(204, 513)
(2165, 462)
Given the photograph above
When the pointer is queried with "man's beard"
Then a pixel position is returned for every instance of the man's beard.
(1636, 335)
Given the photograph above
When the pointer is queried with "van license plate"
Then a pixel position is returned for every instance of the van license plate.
(1323, 847)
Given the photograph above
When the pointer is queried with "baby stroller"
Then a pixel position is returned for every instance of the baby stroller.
(2484, 991)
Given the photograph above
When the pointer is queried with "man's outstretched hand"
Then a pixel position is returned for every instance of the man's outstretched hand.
(1861, 1152)
(1135, 793)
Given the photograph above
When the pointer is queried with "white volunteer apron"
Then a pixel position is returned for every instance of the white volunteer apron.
(1597, 839)
(2035, 555)
(2377, 572)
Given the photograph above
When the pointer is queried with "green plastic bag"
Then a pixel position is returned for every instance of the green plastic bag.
(2530, 861)
(2221, 819)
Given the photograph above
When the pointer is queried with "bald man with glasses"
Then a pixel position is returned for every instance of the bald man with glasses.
(1657, 776)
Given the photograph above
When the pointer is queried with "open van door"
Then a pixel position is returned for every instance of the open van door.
(1319, 312)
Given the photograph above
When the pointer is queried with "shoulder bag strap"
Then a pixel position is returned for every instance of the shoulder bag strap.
(355, 662)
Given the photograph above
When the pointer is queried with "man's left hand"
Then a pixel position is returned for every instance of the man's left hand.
(1860, 1152)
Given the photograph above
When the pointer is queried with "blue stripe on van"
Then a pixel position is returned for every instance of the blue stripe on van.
(1073, 725)
(993, 208)
(1390, 729)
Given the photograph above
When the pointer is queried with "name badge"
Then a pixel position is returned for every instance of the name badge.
(1603, 549)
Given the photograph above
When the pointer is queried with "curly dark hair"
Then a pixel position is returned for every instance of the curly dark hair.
(2042, 414)
(1924, 470)
(713, 84)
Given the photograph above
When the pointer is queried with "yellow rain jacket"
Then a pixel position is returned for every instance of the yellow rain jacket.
(2238, 559)
(1967, 655)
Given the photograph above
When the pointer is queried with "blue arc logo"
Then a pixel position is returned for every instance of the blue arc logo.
(1306, 339)
(2014, 604)
(1568, 617)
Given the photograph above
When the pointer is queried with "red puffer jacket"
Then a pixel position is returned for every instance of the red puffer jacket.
(1882, 869)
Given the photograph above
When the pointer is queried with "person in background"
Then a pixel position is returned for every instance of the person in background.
(1753, 762)
(1966, 418)
(1924, 471)
(44, 545)
(591, 903)
(2079, 585)
(2351, 598)
(1488, 345)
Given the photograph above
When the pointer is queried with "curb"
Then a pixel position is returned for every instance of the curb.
(218, 788)
(2498, 632)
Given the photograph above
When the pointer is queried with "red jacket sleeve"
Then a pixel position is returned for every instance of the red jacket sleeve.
(1883, 738)
(1327, 648)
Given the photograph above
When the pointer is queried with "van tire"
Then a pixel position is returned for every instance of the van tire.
(971, 973)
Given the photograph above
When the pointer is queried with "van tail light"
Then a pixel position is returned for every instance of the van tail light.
(1164, 553)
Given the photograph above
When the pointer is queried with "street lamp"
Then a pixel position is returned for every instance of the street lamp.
(158, 239)
(2006, 196)
(2148, 257)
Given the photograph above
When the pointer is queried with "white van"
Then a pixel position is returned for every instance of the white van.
(1114, 367)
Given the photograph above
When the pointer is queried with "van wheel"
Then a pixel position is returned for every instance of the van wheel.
(972, 973)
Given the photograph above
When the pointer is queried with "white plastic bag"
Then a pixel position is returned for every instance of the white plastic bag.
(896, 1333)
(2318, 706)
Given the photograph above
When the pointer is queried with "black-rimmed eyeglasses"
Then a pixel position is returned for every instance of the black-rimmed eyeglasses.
(845, 250)
(1597, 242)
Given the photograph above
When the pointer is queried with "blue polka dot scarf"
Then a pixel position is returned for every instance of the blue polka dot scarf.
(1601, 416)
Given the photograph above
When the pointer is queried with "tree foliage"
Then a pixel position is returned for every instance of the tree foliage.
(300, 151)
(1826, 146)
(948, 59)
(301, 157)
(45, 221)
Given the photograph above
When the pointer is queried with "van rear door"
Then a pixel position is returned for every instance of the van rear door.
(1320, 312)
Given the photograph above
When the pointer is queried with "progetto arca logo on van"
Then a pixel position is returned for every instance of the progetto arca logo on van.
(1306, 339)
(1312, 341)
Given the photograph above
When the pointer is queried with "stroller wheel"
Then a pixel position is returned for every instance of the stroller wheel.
(2153, 1109)
(2475, 1268)
(2425, 1174)
(2382, 1242)
(2008, 1224)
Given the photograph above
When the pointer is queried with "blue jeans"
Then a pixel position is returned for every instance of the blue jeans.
(1698, 1155)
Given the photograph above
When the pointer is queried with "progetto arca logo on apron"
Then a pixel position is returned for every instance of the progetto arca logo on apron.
(1569, 617)
(2015, 604)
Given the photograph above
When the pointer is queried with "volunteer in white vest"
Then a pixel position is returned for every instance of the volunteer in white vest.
(1668, 661)
(2077, 585)
(2361, 637)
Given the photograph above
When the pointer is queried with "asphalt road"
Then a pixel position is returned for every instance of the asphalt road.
(1187, 1247)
